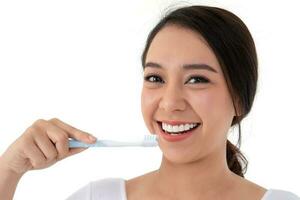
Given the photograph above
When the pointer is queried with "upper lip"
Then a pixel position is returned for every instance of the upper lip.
(172, 122)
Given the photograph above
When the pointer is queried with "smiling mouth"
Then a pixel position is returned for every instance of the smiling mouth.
(178, 130)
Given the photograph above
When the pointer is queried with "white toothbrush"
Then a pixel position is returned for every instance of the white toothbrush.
(147, 141)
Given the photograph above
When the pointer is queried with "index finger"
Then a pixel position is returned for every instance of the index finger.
(74, 132)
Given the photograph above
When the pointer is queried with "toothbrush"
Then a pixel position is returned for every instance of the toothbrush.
(147, 141)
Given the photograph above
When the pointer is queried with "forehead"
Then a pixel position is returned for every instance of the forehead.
(175, 46)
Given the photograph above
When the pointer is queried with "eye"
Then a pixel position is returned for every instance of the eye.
(153, 78)
(199, 79)
(195, 79)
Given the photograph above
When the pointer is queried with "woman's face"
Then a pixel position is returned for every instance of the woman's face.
(174, 93)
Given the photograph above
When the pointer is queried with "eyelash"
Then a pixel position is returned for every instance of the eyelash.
(146, 78)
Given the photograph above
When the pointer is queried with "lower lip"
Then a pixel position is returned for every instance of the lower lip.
(176, 138)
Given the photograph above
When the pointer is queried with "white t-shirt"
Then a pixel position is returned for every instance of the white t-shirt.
(114, 189)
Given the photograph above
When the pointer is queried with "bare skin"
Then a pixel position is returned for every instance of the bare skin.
(43, 144)
(146, 187)
(194, 168)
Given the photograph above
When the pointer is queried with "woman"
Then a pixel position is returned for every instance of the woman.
(200, 79)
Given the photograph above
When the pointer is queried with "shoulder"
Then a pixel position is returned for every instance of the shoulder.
(103, 189)
(278, 194)
(108, 183)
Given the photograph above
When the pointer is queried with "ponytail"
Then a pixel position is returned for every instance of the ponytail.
(236, 161)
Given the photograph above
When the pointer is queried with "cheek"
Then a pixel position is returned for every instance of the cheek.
(148, 106)
(214, 107)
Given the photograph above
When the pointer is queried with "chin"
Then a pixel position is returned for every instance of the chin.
(176, 157)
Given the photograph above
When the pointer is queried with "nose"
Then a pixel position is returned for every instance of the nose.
(172, 99)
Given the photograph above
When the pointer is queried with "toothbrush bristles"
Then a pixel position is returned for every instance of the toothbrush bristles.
(150, 140)
(150, 137)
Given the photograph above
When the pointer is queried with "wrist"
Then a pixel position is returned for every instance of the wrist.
(7, 172)
(8, 181)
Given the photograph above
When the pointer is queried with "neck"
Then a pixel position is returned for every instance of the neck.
(205, 177)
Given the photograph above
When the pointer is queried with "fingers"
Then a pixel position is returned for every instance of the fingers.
(58, 132)
(42, 144)
(35, 155)
(74, 132)
(46, 146)
(61, 140)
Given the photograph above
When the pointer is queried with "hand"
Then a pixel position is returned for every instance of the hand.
(42, 144)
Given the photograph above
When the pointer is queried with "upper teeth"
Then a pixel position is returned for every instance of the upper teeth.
(178, 128)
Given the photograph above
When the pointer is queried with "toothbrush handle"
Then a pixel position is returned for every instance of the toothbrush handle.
(102, 143)
(78, 144)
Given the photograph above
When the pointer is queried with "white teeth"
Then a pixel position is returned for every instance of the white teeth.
(177, 128)
(186, 126)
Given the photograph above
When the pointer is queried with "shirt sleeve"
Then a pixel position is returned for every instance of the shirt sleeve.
(280, 195)
(103, 189)
(84, 193)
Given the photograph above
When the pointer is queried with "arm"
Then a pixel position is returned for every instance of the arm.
(43, 144)
(8, 182)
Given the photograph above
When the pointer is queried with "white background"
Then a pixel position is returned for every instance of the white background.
(80, 61)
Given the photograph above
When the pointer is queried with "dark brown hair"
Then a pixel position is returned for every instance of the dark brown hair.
(235, 50)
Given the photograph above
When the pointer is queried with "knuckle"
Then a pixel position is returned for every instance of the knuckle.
(54, 119)
(32, 129)
(39, 122)
(31, 132)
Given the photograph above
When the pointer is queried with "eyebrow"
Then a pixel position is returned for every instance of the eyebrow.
(185, 66)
